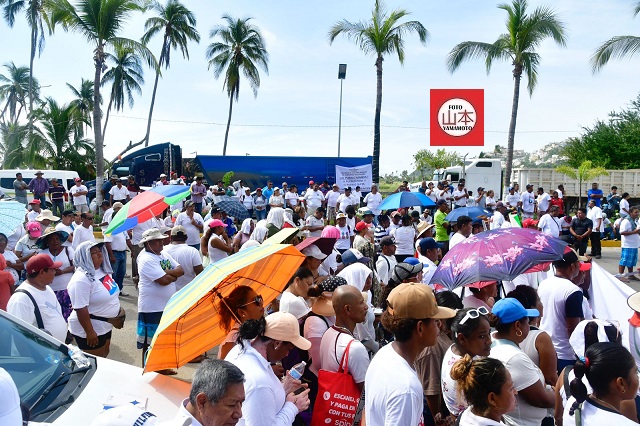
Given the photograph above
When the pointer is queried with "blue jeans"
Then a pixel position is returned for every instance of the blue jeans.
(120, 267)
(43, 200)
(261, 214)
(57, 207)
(198, 207)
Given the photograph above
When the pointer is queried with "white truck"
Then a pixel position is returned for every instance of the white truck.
(478, 172)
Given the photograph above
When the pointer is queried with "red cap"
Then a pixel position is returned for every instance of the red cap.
(529, 222)
(34, 201)
(216, 222)
(311, 182)
(78, 179)
(39, 262)
(362, 225)
(585, 266)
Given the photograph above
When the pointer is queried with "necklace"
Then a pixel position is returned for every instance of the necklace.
(605, 403)
(344, 330)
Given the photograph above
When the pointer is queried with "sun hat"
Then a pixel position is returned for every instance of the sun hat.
(510, 310)
(38, 173)
(133, 415)
(34, 229)
(424, 227)
(150, 235)
(314, 251)
(481, 284)
(404, 270)
(34, 201)
(634, 301)
(416, 301)
(577, 336)
(366, 212)
(44, 244)
(39, 262)
(47, 214)
(362, 225)
(117, 205)
(352, 256)
(178, 229)
(341, 216)
(323, 305)
(429, 243)
(217, 222)
(284, 326)
(387, 241)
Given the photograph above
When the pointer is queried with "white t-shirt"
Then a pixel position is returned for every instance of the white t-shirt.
(10, 256)
(345, 201)
(332, 348)
(276, 200)
(193, 233)
(118, 241)
(497, 220)
(512, 199)
(314, 199)
(188, 258)
(524, 373)
(292, 198)
(82, 234)
(27, 246)
(139, 229)
(247, 201)
(313, 221)
(21, 306)
(594, 415)
(472, 301)
(428, 268)
(528, 202)
(543, 201)
(400, 400)
(19, 232)
(405, 237)
(216, 254)
(344, 242)
(550, 225)
(295, 305)
(10, 411)
(31, 216)
(153, 297)
(64, 228)
(119, 194)
(456, 239)
(624, 207)
(60, 282)
(559, 193)
(80, 199)
(595, 214)
(100, 295)
(462, 201)
(467, 418)
(455, 403)
(629, 241)
(373, 201)
(332, 198)
(384, 266)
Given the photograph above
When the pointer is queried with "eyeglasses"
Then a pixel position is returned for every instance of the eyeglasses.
(474, 313)
(257, 300)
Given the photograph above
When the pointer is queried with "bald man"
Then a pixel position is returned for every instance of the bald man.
(351, 309)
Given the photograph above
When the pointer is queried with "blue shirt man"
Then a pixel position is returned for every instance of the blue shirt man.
(595, 194)
(267, 191)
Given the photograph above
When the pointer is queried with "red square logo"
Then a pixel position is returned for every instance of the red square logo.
(457, 117)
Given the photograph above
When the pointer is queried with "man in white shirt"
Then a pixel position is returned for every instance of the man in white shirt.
(345, 200)
(512, 200)
(465, 226)
(79, 194)
(313, 198)
(498, 216)
(595, 214)
(630, 236)
(560, 191)
(85, 232)
(429, 253)
(118, 193)
(373, 200)
(387, 259)
(34, 301)
(117, 245)
(188, 257)
(543, 201)
(351, 309)
(528, 202)
(400, 401)
(331, 201)
(291, 197)
(315, 224)
(460, 196)
(550, 224)
(216, 396)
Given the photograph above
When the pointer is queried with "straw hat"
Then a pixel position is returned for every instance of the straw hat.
(151, 234)
(323, 305)
(424, 227)
(634, 301)
(47, 214)
(42, 241)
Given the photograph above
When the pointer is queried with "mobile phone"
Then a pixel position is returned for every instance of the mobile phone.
(299, 390)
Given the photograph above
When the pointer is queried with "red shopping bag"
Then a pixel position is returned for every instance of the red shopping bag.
(338, 396)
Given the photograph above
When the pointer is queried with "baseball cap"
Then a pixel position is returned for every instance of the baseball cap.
(352, 256)
(178, 229)
(34, 201)
(341, 216)
(197, 177)
(284, 326)
(429, 243)
(335, 185)
(568, 257)
(311, 182)
(441, 202)
(216, 222)
(105, 203)
(405, 270)
(78, 179)
(314, 251)
(499, 204)
(362, 225)
(416, 301)
(347, 188)
(39, 262)
(395, 213)
(585, 266)
(529, 222)
(387, 241)
(113, 177)
(34, 229)
(510, 310)
(480, 188)
(162, 175)
(366, 212)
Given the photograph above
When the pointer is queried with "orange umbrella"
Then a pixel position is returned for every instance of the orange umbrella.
(190, 322)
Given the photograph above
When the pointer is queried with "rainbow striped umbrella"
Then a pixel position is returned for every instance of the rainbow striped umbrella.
(190, 323)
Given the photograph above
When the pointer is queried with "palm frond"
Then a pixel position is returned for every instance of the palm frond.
(617, 48)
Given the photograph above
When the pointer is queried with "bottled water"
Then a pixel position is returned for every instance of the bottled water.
(78, 357)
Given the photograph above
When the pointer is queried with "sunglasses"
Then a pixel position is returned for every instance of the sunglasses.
(258, 300)
(474, 313)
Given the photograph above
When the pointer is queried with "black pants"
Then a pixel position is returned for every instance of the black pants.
(596, 247)
(580, 246)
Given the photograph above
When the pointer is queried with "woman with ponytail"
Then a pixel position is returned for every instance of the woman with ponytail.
(613, 375)
(511, 321)
(260, 343)
(487, 386)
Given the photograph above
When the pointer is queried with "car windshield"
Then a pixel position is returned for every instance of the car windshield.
(32, 361)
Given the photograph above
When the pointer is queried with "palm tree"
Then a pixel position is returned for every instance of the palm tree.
(241, 51)
(178, 24)
(518, 45)
(100, 21)
(584, 173)
(14, 88)
(36, 13)
(616, 47)
(83, 98)
(125, 77)
(381, 36)
(14, 156)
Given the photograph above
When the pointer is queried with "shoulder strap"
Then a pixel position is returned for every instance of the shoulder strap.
(36, 310)
(344, 362)
(565, 381)
(66, 251)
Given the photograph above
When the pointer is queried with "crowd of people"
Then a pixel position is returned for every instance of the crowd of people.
(415, 353)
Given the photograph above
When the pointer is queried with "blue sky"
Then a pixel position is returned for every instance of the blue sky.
(296, 111)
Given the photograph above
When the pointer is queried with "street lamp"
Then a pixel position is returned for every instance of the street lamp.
(342, 74)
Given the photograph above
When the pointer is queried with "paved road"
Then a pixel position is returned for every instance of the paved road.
(123, 343)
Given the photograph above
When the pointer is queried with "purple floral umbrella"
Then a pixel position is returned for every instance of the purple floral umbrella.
(500, 254)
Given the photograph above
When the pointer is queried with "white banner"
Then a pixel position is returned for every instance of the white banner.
(354, 176)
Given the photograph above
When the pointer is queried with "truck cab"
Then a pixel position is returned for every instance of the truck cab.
(478, 172)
